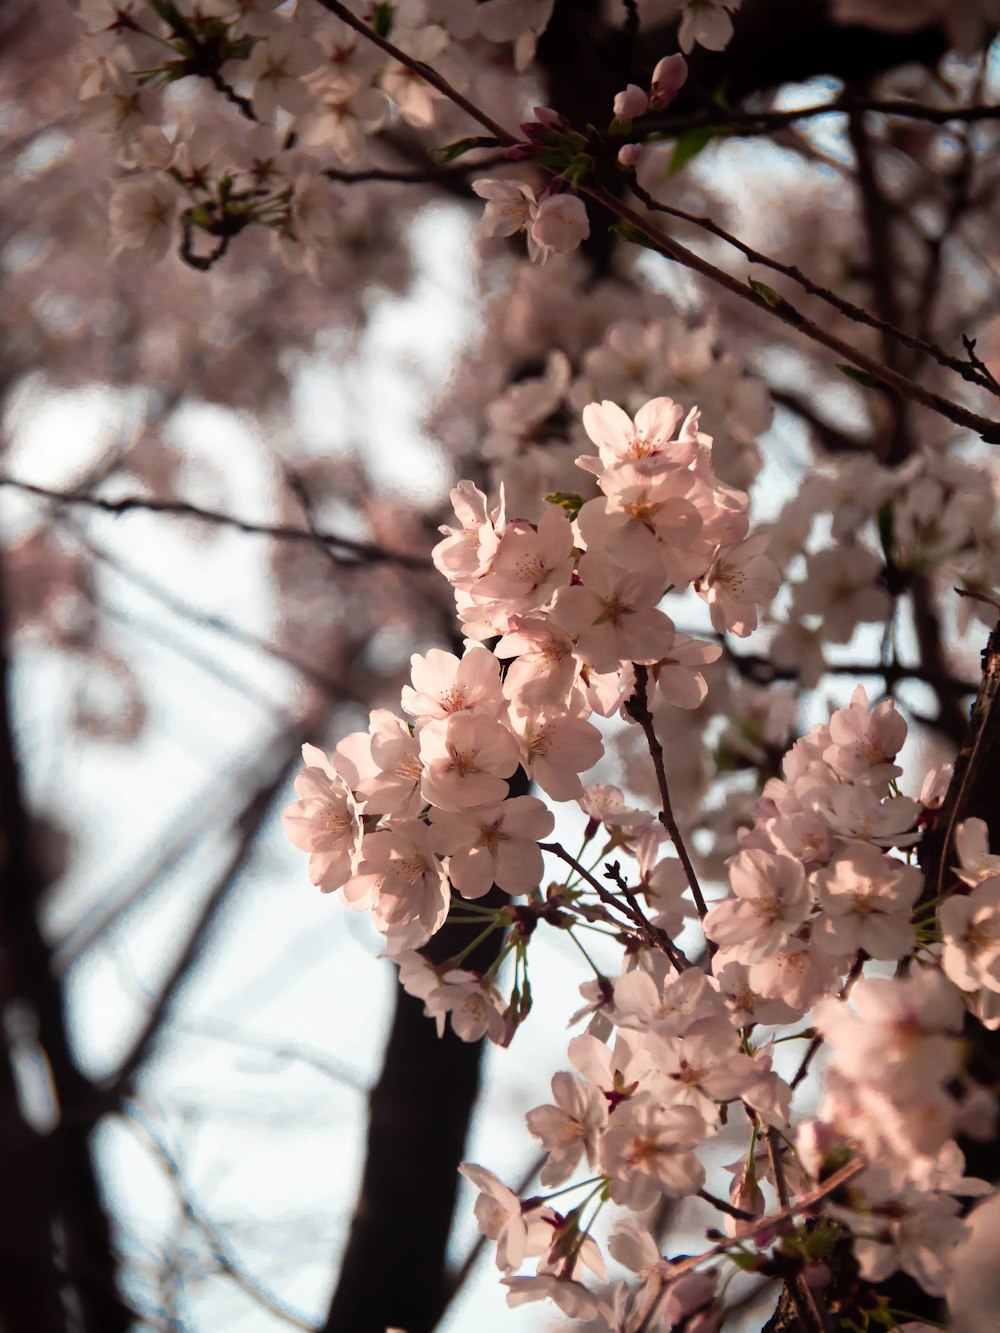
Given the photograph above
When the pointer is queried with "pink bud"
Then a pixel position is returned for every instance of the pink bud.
(630, 155)
(630, 103)
(551, 120)
(669, 78)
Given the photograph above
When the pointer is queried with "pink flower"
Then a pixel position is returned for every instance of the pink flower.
(544, 669)
(395, 788)
(740, 580)
(531, 562)
(555, 749)
(646, 1151)
(573, 1298)
(493, 845)
(771, 901)
(970, 925)
(570, 1128)
(902, 1035)
(797, 976)
(706, 22)
(866, 899)
(509, 206)
(444, 684)
(467, 552)
(613, 615)
(681, 682)
(401, 879)
(326, 822)
(466, 756)
(473, 1004)
(648, 520)
(864, 740)
(558, 226)
(619, 439)
(972, 842)
(498, 1212)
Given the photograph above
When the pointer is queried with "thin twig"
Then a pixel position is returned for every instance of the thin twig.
(776, 306)
(429, 175)
(425, 72)
(247, 829)
(967, 371)
(761, 122)
(779, 308)
(802, 1297)
(802, 1204)
(637, 708)
(609, 899)
(679, 960)
(725, 1206)
(366, 552)
(218, 1247)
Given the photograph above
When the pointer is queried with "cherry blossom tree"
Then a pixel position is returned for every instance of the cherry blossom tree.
(686, 675)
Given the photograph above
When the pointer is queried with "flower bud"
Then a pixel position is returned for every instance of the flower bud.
(669, 78)
(630, 103)
(630, 155)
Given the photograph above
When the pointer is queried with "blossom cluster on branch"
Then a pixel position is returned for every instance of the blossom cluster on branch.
(567, 574)
(412, 821)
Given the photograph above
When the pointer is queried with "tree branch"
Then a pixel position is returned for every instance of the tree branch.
(366, 552)
(246, 826)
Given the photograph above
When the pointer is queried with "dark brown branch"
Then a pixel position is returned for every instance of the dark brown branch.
(975, 780)
(246, 827)
(432, 175)
(608, 899)
(889, 328)
(750, 122)
(219, 1248)
(637, 708)
(782, 310)
(725, 1206)
(425, 72)
(58, 1270)
(366, 552)
(811, 1319)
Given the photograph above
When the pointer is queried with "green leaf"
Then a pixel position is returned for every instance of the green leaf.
(568, 500)
(688, 146)
(383, 17)
(858, 375)
(449, 151)
(886, 529)
(628, 232)
(766, 293)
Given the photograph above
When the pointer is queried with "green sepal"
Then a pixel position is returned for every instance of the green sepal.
(629, 232)
(767, 294)
(383, 17)
(450, 151)
(568, 500)
(856, 374)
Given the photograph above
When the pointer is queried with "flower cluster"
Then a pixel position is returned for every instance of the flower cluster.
(414, 819)
(400, 816)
